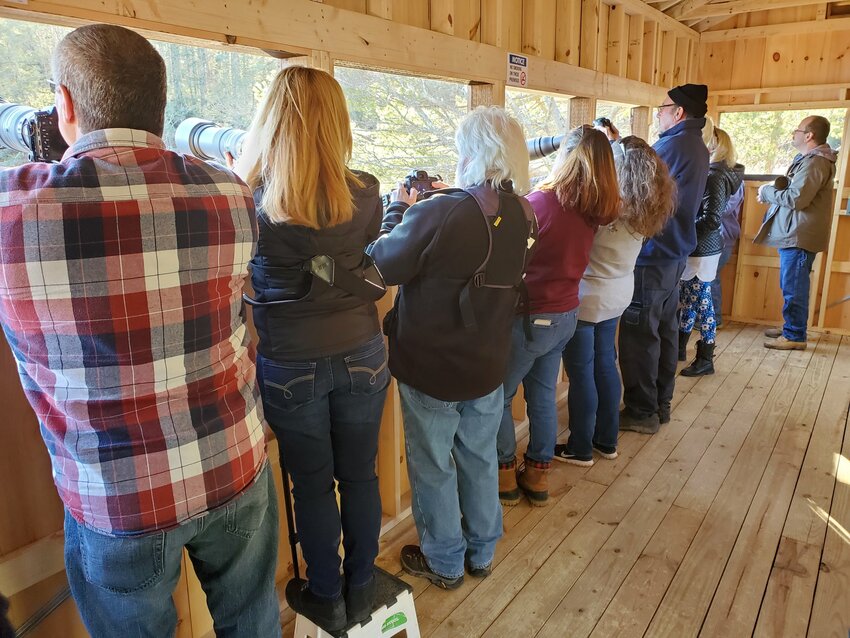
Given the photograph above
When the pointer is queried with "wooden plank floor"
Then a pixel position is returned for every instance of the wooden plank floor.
(731, 521)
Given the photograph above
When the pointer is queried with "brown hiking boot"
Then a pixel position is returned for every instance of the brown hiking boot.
(533, 479)
(508, 490)
(781, 343)
(773, 333)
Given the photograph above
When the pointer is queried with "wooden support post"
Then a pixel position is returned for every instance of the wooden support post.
(316, 59)
(617, 40)
(640, 121)
(588, 55)
(602, 39)
(635, 48)
(668, 59)
(460, 18)
(649, 62)
(501, 23)
(582, 111)
(538, 34)
(680, 61)
(486, 95)
(568, 31)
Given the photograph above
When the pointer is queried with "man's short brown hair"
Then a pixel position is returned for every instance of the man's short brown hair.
(819, 127)
(115, 77)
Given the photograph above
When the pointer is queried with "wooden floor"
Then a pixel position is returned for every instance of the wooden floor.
(731, 521)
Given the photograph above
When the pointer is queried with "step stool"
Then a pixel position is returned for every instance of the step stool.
(393, 612)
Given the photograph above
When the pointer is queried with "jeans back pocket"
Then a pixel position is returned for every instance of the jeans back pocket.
(367, 368)
(288, 385)
(121, 564)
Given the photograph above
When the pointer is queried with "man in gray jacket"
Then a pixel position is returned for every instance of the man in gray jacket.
(798, 223)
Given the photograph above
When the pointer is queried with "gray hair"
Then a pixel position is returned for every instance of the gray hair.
(491, 146)
(115, 77)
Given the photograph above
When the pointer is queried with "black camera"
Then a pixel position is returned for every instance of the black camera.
(603, 121)
(45, 141)
(419, 179)
(24, 129)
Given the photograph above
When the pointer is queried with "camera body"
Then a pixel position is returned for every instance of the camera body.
(419, 179)
(43, 137)
(602, 121)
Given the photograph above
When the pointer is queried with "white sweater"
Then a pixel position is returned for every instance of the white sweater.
(608, 283)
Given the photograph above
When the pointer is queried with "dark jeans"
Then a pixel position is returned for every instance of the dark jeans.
(716, 292)
(326, 414)
(795, 267)
(594, 395)
(123, 584)
(649, 340)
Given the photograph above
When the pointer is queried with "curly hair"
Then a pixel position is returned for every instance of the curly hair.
(647, 191)
(584, 176)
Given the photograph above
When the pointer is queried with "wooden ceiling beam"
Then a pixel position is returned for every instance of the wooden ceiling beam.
(787, 28)
(639, 7)
(684, 9)
(734, 7)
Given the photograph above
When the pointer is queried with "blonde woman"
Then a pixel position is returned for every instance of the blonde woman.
(695, 299)
(648, 196)
(322, 366)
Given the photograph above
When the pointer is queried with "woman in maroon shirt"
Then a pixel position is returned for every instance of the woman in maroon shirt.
(579, 194)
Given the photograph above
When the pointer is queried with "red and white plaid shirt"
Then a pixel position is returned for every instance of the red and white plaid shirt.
(121, 272)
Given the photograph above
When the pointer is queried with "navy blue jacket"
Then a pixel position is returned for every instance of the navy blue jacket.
(685, 154)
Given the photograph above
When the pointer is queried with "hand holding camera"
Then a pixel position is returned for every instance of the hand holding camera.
(606, 126)
(412, 189)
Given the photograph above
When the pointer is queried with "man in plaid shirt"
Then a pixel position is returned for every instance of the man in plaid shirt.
(121, 272)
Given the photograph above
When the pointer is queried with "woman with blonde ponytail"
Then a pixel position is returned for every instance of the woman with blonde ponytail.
(321, 365)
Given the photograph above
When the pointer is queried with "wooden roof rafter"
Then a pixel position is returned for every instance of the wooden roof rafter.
(727, 8)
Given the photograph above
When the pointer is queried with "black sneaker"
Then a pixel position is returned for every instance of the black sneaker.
(327, 613)
(479, 572)
(359, 601)
(414, 563)
(565, 456)
(606, 451)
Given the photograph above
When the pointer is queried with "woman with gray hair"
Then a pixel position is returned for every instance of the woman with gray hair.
(458, 256)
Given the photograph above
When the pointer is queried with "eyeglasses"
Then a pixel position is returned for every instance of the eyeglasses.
(796, 130)
(53, 86)
(664, 106)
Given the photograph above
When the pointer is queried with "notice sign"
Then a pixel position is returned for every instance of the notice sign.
(517, 70)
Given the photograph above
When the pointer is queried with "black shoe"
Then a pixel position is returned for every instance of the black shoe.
(645, 425)
(414, 563)
(683, 345)
(704, 363)
(606, 451)
(479, 572)
(327, 613)
(565, 456)
(359, 601)
(664, 413)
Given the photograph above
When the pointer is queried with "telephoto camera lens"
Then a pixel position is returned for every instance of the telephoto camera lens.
(542, 146)
(206, 141)
(14, 119)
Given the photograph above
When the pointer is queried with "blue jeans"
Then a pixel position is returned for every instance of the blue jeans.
(716, 292)
(795, 267)
(590, 359)
(536, 364)
(123, 584)
(454, 477)
(326, 414)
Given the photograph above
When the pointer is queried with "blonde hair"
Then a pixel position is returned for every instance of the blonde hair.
(491, 148)
(297, 149)
(724, 150)
(584, 176)
(708, 133)
(647, 190)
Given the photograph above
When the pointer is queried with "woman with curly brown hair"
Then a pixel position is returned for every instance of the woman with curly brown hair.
(648, 196)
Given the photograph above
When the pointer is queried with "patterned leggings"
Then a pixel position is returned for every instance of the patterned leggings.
(695, 304)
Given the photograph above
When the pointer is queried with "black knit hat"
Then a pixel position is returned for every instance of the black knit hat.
(692, 97)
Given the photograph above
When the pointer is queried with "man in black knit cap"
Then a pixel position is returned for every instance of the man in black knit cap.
(648, 330)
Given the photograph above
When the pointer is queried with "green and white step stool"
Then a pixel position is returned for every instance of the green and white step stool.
(394, 612)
